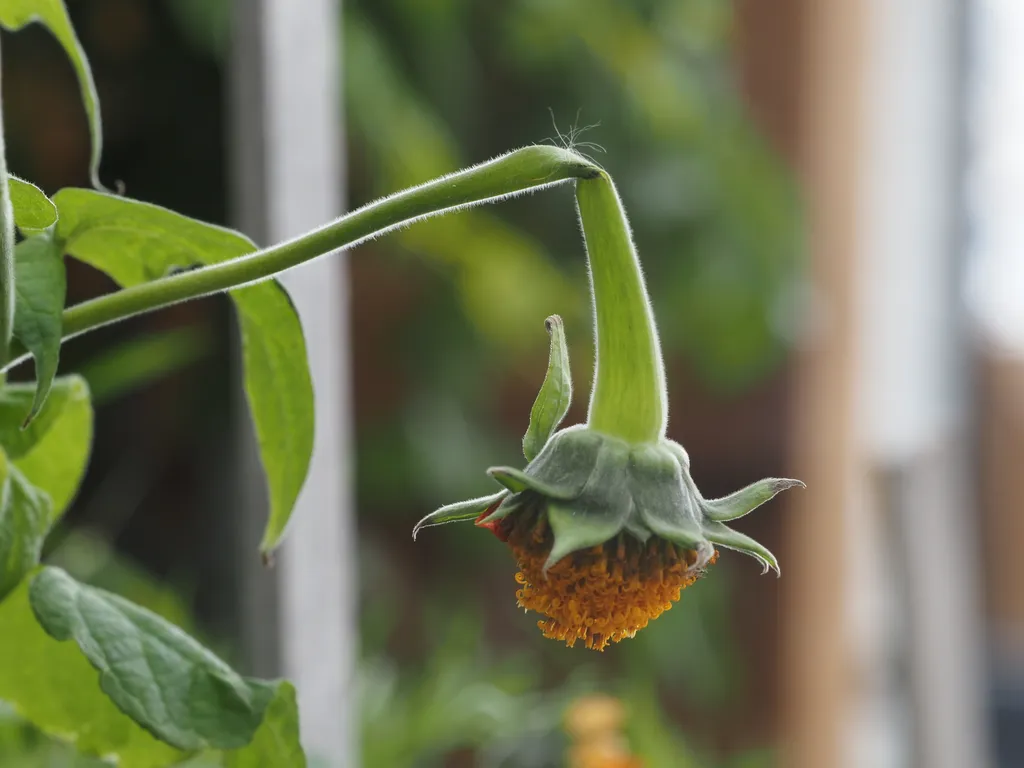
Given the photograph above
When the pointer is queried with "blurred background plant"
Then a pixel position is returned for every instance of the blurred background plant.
(448, 348)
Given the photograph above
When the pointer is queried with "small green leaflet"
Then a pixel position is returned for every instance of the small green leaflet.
(39, 469)
(40, 288)
(136, 242)
(33, 211)
(555, 394)
(156, 674)
(52, 453)
(53, 686)
(24, 522)
(276, 744)
(15, 14)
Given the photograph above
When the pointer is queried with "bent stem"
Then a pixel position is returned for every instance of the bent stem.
(629, 397)
(515, 173)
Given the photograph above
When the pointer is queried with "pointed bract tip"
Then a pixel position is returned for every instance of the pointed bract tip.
(419, 527)
(770, 565)
(785, 483)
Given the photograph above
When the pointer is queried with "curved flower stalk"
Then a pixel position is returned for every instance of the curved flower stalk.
(605, 522)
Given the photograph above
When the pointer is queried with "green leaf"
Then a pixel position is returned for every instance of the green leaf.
(280, 394)
(53, 686)
(24, 523)
(53, 452)
(462, 510)
(136, 242)
(276, 744)
(41, 469)
(33, 211)
(40, 285)
(555, 394)
(156, 674)
(15, 14)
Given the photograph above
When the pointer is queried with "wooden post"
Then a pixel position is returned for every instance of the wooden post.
(882, 657)
(815, 656)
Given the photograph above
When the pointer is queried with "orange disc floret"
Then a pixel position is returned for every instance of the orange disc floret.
(603, 594)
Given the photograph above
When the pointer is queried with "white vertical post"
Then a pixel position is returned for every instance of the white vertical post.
(915, 412)
(289, 178)
(995, 284)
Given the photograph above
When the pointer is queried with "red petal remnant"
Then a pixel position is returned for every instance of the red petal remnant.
(498, 527)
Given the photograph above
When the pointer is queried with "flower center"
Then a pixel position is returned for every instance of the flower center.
(599, 595)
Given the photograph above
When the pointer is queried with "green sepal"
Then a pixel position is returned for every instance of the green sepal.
(568, 460)
(576, 527)
(663, 499)
(746, 500)
(517, 481)
(600, 512)
(555, 394)
(717, 533)
(637, 529)
(678, 452)
(462, 510)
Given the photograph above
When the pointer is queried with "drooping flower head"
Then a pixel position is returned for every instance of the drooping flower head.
(605, 522)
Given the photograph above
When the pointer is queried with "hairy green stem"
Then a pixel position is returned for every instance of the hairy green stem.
(6, 253)
(628, 399)
(517, 172)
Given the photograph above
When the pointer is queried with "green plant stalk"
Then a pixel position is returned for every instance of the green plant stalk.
(524, 170)
(628, 399)
(7, 289)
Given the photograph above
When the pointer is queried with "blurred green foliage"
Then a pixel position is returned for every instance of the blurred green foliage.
(133, 364)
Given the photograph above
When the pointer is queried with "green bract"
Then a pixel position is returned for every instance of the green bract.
(593, 486)
(619, 472)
